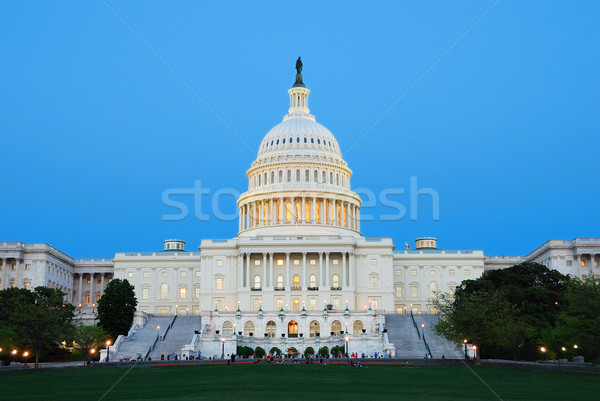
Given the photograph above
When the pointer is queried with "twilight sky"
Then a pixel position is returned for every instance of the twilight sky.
(107, 105)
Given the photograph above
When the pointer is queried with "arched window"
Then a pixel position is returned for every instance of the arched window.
(289, 176)
(357, 327)
(306, 176)
(297, 175)
(293, 329)
(324, 177)
(312, 281)
(265, 179)
(312, 140)
(259, 180)
(314, 328)
(278, 142)
(280, 282)
(336, 327)
(280, 176)
(248, 329)
(316, 176)
(227, 328)
(271, 329)
(296, 282)
(272, 177)
(257, 282)
(304, 139)
(432, 289)
(164, 291)
(298, 139)
(337, 179)
(336, 281)
(283, 141)
(331, 178)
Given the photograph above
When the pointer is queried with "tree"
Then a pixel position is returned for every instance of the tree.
(275, 351)
(117, 307)
(505, 311)
(323, 351)
(86, 337)
(40, 319)
(309, 351)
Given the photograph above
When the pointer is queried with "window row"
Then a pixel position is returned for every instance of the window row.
(298, 140)
(164, 292)
(291, 329)
(300, 176)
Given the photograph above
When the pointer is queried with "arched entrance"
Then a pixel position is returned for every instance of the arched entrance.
(314, 328)
(293, 329)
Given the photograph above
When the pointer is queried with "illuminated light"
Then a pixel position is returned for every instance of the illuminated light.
(108, 343)
(93, 351)
(543, 349)
(25, 354)
(279, 262)
(14, 352)
(575, 346)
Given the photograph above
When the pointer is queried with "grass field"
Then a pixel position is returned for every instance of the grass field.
(304, 382)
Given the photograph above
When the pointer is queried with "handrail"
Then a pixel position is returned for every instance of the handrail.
(152, 347)
(169, 327)
(415, 324)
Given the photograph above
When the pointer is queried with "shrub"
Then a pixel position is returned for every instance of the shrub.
(323, 351)
(309, 351)
(259, 352)
(275, 350)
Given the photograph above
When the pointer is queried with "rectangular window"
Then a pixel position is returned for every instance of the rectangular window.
(89, 281)
(255, 304)
(414, 291)
(219, 284)
(312, 262)
(373, 282)
(413, 272)
(312, 304)
(335, 303)
(197, 292)
(467, 272)
(27, 285)
(296, 304)
(182, 292)
(145, 293)
(374, 303)
(257, 262)
(183, 273)
(279, 303)
(219, 262)
(582, 263)
(279, 262)
(130, 274)
(335, 262)
(296, 262)
(219, 305)
(197, 273)
(452, 272)
(27, 267)
(99, 281)
(87, 299)
(399, 273)
(373, 262)
(399, 293)
(146, 274)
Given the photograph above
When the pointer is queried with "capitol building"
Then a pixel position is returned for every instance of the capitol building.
(299, 271)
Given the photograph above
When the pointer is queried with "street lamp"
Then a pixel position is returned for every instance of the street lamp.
(347, 338)
(158, 332)
(423, 330)
(466, 356)
(222, 347)
(177, 309)
(93, 306)
(14, 354)
(108, 350)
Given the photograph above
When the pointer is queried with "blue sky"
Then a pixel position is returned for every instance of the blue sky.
(94, 128)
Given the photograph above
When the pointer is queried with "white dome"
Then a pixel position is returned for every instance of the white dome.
(299, 136)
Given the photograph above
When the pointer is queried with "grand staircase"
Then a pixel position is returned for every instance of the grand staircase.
(172, 339)
(180, 334)
(402, 333)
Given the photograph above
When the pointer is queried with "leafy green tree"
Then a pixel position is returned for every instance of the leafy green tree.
(309, 351)
(40, 319)
(117, 307)
(505, 312)
(275, 350)
(86, 337)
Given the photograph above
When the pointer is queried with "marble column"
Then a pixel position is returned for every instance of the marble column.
(248, 267)
(303, 271)
(271, 274)
(287, 271)
(344, 269)
(327, 270)
(92, 295)
(240, 267)
(80, 293)
(321, 273)
(263, 282)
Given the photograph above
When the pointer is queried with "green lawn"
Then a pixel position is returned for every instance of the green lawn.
(331, 382)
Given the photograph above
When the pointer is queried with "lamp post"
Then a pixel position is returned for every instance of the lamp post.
(423, 331)
(108, 350)
(14, 354)
(93, 306)
(466, 356)
(347, 339)
(158, 332)
(222, 347)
